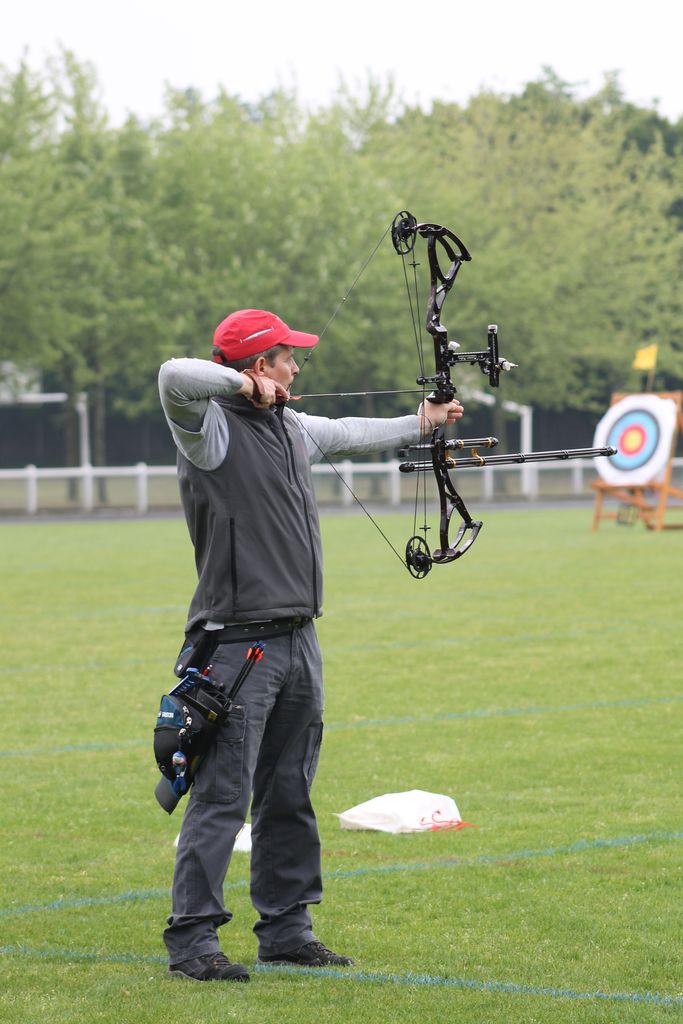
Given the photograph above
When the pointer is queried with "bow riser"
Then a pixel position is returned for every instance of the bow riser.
(441, 284)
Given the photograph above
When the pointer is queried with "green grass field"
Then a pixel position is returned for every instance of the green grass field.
(537, 681)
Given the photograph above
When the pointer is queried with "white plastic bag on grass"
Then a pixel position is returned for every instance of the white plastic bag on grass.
(412, 811)
(243, 841)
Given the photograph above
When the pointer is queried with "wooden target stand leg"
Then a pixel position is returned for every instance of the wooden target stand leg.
(647, 502)
(633, 498)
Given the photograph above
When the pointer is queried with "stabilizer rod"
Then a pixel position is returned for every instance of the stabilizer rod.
(512, 459)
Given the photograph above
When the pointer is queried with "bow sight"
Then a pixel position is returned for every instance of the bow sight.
(443, 244)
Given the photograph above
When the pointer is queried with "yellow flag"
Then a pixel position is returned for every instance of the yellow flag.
(646, 358)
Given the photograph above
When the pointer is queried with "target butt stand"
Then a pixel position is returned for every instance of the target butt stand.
(645, 429)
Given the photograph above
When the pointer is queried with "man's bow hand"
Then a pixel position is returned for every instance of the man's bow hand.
(436, 414)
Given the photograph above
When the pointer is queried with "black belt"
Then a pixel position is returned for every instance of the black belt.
(259, 630)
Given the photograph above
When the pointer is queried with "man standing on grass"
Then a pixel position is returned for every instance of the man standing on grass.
(244, 472)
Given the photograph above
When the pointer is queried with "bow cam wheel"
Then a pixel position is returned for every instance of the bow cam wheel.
(418, 557)
(403, 233)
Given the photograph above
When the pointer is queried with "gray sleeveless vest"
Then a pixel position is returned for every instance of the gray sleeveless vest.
(254, 522)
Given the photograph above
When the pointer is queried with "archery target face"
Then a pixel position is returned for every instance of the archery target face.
(641, 428)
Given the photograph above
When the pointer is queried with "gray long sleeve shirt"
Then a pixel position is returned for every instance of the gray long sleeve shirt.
(201, 432)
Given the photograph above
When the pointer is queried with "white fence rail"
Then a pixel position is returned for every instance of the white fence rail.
(86, 488)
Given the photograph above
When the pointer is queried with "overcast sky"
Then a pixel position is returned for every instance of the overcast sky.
(446, 50)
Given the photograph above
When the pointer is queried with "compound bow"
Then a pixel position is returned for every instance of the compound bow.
(444, 245)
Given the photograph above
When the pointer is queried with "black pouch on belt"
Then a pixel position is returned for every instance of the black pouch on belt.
(197, 650)
(187, 725)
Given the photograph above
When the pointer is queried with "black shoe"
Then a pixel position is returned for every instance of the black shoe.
(210, 967)
(313, 954)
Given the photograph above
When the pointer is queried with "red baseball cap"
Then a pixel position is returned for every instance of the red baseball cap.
(249, 331)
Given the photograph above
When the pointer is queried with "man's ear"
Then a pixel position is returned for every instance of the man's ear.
(259, 365)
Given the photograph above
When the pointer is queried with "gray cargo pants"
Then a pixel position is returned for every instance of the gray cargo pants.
(269, 748)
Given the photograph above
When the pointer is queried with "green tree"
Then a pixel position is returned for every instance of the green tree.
(27, 184)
